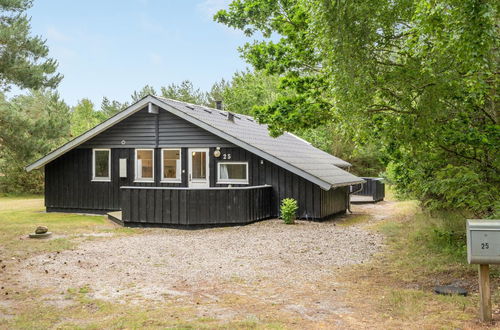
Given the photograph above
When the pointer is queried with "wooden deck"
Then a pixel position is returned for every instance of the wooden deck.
(372, 191)
(358, 199)
(116, 217)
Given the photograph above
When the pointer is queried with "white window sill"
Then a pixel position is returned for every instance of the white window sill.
(171, 181)
(144, 181)
(101, 180)
(231, 182)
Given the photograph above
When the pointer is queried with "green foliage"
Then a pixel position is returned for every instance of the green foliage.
(366, 157)
(442, 233)
(246, 91)
(249, 92)
(217, 93)
(85, 117)
(185, 92)
(145, 91)
(30, 126)
(23, 58)
(415, 78)
(111, 108)
(288, 210)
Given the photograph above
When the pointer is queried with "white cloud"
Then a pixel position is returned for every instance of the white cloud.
(209, 7)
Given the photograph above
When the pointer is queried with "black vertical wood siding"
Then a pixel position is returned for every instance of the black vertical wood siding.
(69, 183)
(69, 186)
(333, 200)
(285, 184)
(209, 206)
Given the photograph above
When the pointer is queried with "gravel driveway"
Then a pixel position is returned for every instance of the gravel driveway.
(154, 262)
(291, 265)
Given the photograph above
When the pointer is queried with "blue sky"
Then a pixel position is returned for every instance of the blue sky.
(111, 48)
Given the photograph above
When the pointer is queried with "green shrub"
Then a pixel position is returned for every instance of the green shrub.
(288, 210)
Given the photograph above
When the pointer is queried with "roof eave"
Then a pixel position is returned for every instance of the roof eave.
(158, 101)
(90, 133)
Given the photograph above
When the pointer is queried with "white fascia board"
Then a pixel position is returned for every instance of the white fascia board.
(91, 133)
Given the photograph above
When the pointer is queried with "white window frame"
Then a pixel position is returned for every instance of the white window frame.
(136, 178)
(178, 179)
(99, 178)
(231, 181)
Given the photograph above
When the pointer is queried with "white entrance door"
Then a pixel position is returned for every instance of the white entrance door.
(198, 175)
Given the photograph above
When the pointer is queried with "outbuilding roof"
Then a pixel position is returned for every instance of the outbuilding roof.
(287, 150)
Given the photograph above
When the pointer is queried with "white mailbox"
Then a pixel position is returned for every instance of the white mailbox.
(483, 241)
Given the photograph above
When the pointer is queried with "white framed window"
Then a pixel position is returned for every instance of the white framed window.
(232, 172)
(144, 165)
(171, 165)
(101, 165)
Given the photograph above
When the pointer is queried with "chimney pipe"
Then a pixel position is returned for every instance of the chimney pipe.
(218, 105)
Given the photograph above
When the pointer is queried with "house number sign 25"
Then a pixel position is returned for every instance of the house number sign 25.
(226, 156)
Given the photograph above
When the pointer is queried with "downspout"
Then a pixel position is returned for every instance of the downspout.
(349, 197)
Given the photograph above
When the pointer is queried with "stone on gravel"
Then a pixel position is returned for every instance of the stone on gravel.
(41, 230)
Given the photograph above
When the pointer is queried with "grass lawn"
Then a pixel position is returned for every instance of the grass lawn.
(20, 216)
(392, 291)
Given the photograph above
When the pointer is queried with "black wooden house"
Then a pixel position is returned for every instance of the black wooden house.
(165, 162)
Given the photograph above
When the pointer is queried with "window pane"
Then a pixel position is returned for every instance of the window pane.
(171, 164)
(101, 158)
(199, 162)
(233, 171)
(170, 169)
(144, 164)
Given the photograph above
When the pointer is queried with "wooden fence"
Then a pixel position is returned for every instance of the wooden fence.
(373, 187)
(195, 206)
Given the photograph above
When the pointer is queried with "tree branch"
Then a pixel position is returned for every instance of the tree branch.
(456, 153)
(383, 107)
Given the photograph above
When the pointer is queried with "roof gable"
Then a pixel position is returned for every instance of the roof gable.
(287, 151)
(144, 129)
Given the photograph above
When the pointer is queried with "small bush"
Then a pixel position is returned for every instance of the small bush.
(288, 210)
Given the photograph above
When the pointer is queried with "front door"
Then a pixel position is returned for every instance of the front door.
(198, 168)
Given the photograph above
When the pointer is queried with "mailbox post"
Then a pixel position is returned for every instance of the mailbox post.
(483, 248)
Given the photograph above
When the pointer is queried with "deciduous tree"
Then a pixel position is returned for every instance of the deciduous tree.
(418, 76)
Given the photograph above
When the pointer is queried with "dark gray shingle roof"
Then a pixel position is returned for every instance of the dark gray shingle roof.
(287, 147)
(287, 151)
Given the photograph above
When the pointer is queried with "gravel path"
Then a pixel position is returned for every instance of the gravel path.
(156, 264)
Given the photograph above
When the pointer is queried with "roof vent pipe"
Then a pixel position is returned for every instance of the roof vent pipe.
(218, 105)
(230, 116)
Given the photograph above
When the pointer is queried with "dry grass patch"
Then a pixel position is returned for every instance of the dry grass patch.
(73, 309)
(394, 290)
(19, 217)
